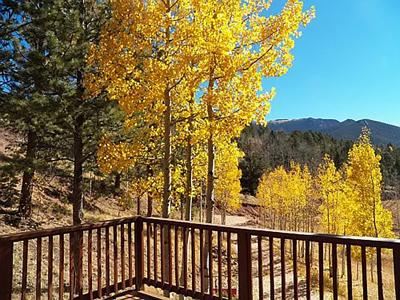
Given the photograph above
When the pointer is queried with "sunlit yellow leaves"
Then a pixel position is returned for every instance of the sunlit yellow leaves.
(336, 208)
(199, 64)
(227, 186)
(364, 178)
(348, 200)
(287, 195)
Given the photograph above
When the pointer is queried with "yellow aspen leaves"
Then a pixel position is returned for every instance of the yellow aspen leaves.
(189, 70)
(227, 185)
(347, 201)
(364, 178)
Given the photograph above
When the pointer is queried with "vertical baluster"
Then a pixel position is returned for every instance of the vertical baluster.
(396, 270)
(155, 253)
(24, 269)
(61, 268)
(271, 268)
(245, 266)
(334, 271)
(78, 239)
(148, 251)
(71, 268)
(321, 269)
(176, 256)
(130, 254)
(169, 257)
(123, 256)
(6, 274)
(308, 271)
(228, 254)
(210, 261)
(349, 273)
(115, 252)
(193, 242)
(283, 269)
(38, 267)
(50, 269)
(219, 264)
(295, 282)
(162, 254)
(379, 272)
(89, 266)
(107, 260)
(201, 263)
(260, 269)
(364, 272)
(139, 251)
(184, 256)
(99, 261)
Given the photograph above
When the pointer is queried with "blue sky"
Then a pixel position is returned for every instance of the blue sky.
(347, 64)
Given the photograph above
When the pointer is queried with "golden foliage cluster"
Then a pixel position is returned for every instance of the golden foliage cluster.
(347, 201)
(192, 68)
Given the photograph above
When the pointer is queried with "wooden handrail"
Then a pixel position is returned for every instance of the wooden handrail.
(28, 235)
(305, 236)
(302, 236)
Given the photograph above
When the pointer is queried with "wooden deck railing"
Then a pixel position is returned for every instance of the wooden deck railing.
(203, 261)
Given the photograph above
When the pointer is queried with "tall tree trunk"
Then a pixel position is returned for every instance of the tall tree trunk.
(25, 201)
(210, 183)
(149, 205)
(166, 167)
(77, 190)
(139, 210)
(189, 168)
(117, 183)
(166, 163)
(189, 179)
(188, 200)
(210, 180)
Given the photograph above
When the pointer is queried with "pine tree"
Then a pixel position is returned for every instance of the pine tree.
(27, 103)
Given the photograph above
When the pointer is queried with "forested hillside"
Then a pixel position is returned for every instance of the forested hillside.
(266, 149)
(381, 133)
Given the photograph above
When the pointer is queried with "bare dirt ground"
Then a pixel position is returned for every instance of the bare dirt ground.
(394, 207)
(232, 220)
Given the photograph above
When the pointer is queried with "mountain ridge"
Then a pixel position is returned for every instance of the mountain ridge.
(349, 129)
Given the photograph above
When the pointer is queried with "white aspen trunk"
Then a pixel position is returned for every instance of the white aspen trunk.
(210, 181)
(188, 196)
(201, 207)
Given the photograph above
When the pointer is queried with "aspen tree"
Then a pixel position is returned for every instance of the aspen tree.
(227, 186)
(364, 178)
(242, 44)
(330, 183)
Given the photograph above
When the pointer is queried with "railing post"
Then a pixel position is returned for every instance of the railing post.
(6, 267)
(244, 257)
(139, 255)
(396, 271)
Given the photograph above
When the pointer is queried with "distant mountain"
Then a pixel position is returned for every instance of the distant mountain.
(382, 133)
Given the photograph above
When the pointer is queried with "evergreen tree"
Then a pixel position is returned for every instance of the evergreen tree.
(27, 67)
(43, 60)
